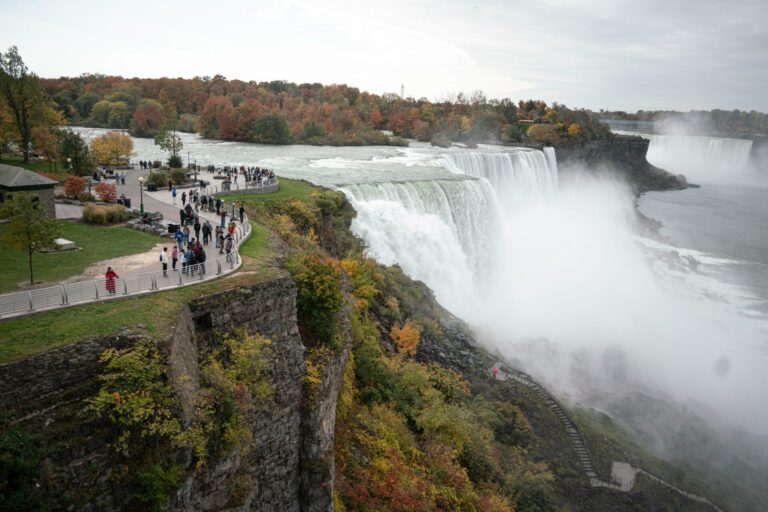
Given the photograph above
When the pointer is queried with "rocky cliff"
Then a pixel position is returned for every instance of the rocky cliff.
(288, 464)
(622, 155)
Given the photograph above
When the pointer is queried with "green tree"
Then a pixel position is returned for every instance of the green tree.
(271, 129)
(23, 93)
(74, 153)
(29, 229)
(85, 103)
(170, 142)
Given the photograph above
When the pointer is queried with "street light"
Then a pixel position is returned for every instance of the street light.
(141, 195)
(69, 164)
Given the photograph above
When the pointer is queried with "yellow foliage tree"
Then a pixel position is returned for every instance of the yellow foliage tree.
(574, 130)
(406, 338)
(112, 148)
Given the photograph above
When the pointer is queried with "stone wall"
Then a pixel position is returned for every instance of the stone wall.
(45, 393)
(37, 384)
(624, 155)
(264, 477)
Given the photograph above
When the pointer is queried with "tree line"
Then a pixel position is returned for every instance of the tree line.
(275, 112)
(726, 123)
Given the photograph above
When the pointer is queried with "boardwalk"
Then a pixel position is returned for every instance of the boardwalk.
(623, 474)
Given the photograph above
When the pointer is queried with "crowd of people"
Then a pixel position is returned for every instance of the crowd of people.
(252, 176)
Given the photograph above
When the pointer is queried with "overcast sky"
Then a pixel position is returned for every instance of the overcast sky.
(613, 54)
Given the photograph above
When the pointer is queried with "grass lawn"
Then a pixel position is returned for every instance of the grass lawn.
(97, 243)
(153, 313)
(288, 189)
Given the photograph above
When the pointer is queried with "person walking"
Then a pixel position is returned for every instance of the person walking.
(186, 234)
(228, 245)
(197, 228)
(242, 212)
(223, 214)
(183, 258)
(164, 261)
(206, 231)
(174, 257)
(173, 193)
(182, 217)
(183, 198)
(201, 259)
(179, 236)
(190, 260)
(110, 277)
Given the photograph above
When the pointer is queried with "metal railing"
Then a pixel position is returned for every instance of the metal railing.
(83, 292)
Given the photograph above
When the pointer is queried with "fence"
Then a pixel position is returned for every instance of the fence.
(265, 187)
(84, 292)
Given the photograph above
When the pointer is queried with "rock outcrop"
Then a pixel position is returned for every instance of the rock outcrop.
(622, 155)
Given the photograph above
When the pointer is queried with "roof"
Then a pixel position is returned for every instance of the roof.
(19, 178)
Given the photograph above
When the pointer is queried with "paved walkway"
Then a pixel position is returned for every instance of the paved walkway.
(138, 273)
(623, 474)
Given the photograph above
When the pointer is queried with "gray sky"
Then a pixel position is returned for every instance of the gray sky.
(617, 54)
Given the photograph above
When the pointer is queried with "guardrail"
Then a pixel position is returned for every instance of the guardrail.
(94, 290)
(269, 185)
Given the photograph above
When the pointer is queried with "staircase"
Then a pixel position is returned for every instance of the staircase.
(623, 474)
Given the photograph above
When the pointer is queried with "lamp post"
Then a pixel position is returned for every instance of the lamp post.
(89, 185)
(141, 195)
(69, 164)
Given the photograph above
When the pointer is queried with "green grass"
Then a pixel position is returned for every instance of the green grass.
(288, 189)
(97, 242)
(37, 166)
(154, 313)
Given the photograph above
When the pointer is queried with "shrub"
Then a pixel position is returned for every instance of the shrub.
(174, 162)
(157, 164)
(20, 472)
(74, 186)
(86, 197)
(319, 298)
(136, 397)
(406, 338)
(158, 178)
(178, 175)
(97, 214)
(107, 192)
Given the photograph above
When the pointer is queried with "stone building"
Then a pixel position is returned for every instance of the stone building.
(16, 179)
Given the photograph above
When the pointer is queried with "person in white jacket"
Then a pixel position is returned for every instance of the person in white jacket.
(164, 261)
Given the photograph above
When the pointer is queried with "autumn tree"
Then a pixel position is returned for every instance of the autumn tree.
(107, 192)
(148, 118)
(29, 228)
(543, 134)
(24, 97)
(406, 338)
(46, 143)
(112, 148)
(74, 186)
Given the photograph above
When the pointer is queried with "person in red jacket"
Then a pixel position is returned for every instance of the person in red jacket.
(110, 276)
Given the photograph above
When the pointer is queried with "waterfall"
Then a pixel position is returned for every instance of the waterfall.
(699, 155)
(514, 175)
(443, 232)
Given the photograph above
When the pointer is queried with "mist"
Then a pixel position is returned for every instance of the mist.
(592, 309)
(559, 280)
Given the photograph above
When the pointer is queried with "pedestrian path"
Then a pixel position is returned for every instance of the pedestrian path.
(623, 474)
(147, 278)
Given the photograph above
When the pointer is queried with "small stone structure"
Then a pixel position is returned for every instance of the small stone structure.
(17, 179)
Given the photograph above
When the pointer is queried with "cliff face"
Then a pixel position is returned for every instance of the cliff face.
(621, 155)
(288, 465)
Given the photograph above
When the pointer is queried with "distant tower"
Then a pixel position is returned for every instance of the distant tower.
(402, 90)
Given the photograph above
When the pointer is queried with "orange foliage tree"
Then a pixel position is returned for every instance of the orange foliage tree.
(107, 192)
(74, 186)
(406, 338)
